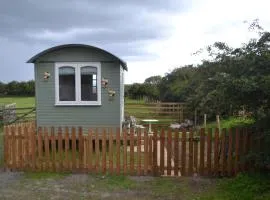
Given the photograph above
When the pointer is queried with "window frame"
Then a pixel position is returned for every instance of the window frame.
(78, 101)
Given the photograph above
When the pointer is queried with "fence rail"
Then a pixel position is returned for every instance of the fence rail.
(174, 111)
(207, 153)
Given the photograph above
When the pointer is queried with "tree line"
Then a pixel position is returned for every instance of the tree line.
(15, 88)
(229, 80)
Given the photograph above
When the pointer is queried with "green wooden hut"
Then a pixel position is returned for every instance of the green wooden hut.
(79, 85)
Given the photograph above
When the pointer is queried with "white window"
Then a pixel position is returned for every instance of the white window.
(77, 83)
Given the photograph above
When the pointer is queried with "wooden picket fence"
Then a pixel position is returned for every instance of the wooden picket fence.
(165, 153)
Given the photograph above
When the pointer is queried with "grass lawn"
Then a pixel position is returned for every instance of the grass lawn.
(99, 186)
(243, 187)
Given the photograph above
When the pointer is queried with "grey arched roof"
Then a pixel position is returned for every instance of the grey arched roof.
(34, 58)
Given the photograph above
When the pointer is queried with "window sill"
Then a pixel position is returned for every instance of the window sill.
(78, 104)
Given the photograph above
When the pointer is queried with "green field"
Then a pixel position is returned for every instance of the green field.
(21, 102)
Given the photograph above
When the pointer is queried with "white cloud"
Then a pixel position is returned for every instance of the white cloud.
(205, 23)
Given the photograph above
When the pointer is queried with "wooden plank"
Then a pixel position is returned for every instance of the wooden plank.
(53, 149)
(139, 153)
(209, 152)
(176, 153)
(237, 143)
(13, 148)
(196, 149)
(23, 148)
(190, 157)
(229, 167)
(73, 148)
(183, 155)
(97, 151)
(145, 153)
(20, 150)
(90, 151)
(202, 144)
(131, 152)
(27, 148)
(125, 151)
(60, 148)
(250, 149)
(111, 151)
(155, 164)
(223, 152)
(169, 152)
(81, 149)
(33, 136)
(118, 152)
(104, 152)
(6, 147)
(216, 152)
(150, 154)
(40, 149)
(162, 147)
(245, 148)
(67, 160)
(47, 153)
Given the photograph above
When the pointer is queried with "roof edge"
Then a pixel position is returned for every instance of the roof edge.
(34, 58)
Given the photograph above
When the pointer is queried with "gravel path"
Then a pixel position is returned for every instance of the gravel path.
(19, 186)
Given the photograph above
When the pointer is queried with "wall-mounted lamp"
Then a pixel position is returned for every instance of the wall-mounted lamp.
(111, 93)
(46, 75)
(104, 82)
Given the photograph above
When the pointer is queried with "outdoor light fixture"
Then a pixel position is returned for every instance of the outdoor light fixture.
(46, 75)
(104, 82)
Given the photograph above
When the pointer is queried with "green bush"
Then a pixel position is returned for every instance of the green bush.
(242, 187)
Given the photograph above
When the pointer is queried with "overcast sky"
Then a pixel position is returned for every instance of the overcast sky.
(152, 36)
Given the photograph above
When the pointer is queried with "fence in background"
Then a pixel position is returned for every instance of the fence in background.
(105, 151)
(159, 110)
(7, 113)
(10, 114)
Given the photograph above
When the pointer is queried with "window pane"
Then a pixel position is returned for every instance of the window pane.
(89, 83)
(66, 84)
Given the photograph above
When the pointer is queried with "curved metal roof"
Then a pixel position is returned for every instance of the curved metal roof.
(34, 58)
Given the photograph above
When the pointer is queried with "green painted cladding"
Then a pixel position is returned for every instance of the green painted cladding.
(106, 115)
